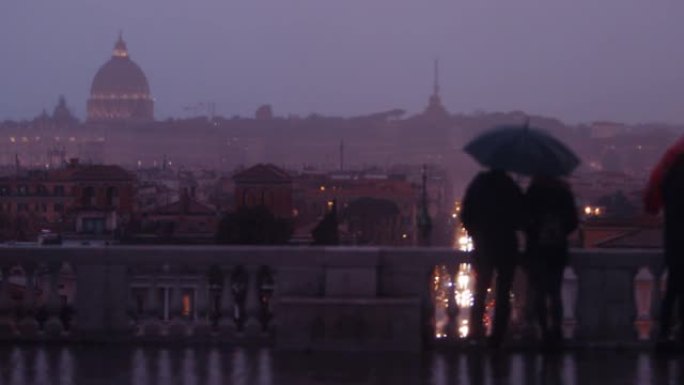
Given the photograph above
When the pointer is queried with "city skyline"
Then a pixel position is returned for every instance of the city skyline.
(592, 62)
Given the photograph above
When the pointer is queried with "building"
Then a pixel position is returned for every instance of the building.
(265, 185)
(86, 199)
(390, 198)
(186, 220)
(103, 197)
(120, 91)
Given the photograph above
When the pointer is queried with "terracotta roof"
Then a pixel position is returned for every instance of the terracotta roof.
(263, 173)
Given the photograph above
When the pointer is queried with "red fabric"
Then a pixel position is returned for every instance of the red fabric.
(653, 195)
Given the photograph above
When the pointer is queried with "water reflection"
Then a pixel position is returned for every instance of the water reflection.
(209, 366)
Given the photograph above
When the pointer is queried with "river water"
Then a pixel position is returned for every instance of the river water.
(94, 365)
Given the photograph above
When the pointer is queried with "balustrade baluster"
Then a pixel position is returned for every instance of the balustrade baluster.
(28, 325)
(569, 299)
(178, 324)
(202, 308)
(152, 309)
(6, 322)
(452, 309)
(253, 325)
(428, 321)
(267, 293)
(53, 325)
(227, 324)
(660, 301)
(644, 285)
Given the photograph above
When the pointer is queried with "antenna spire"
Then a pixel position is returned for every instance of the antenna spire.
(436, 77)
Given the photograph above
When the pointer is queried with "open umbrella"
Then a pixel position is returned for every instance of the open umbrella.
(653, 195)
(523, 150)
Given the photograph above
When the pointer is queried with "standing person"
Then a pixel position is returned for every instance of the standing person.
(491, 213)
(551, 216)
(673, 204)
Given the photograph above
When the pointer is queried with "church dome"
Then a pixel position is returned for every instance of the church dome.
(120, 90)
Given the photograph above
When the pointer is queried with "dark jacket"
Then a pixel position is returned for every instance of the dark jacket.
(549, 207)
(492, 211)
(673, 199)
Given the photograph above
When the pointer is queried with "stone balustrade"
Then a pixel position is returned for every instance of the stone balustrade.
(295, 298)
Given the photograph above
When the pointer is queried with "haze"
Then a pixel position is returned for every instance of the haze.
(577, 60)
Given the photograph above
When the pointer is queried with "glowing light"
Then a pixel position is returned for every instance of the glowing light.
(13, 139)
(454, 215)
(597, 211)
(587, 210)
(322, 188)
(464, 293)
(465, 243)
(464, 329)
(404, 236)
(187, 307)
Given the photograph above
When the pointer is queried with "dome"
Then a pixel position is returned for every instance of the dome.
(120, 76)
(120, 90)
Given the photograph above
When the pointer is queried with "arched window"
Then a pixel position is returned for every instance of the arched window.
(112, 196)
(88, 196)
(267, 198)
(248, 198)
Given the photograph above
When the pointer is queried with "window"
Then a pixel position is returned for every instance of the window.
(21, 207)
(59, 207)
(41, 190)
(88, 196)
(112, 197)
(4, 190)
(22, 189)
(59, 190)
(187, 305)
(93, 225)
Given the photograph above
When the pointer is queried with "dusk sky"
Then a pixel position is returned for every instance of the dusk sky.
(578, 60)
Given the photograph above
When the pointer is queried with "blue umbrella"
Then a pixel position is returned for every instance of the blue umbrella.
(523, 150)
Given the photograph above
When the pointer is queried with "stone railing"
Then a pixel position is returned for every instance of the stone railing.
(301, 298)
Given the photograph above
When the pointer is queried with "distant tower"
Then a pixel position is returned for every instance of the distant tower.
(424, 220)
(120, 92)
(435, 107)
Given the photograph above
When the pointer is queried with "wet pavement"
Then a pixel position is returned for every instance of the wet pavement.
(189, 366)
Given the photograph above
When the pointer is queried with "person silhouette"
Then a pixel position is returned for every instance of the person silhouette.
(551, 215)
(673, 205)
(491, 212)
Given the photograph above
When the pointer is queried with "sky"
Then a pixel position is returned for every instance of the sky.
(577, 60)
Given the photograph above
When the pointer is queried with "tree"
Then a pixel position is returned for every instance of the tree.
(326, 232)
(253, 226)
(372, 220)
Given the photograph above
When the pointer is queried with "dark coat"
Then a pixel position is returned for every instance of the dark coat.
(491, 212)
(673, 199)
(548, 197)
